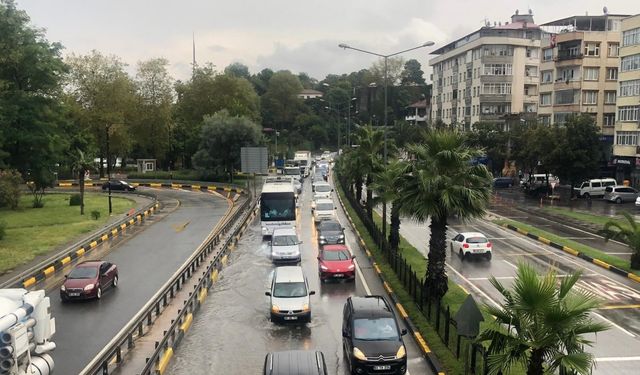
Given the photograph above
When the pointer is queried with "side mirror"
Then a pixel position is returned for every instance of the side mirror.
(267, 294)
(345, 333)
(353, 257)
(331, 189)
(312, 292)
(403, 332)
(335, 208)
(66, 276)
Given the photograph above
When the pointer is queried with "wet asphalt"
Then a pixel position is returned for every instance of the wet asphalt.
(232, 332)
(145, 262)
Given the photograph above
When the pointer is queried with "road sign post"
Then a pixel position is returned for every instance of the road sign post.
(468, 320)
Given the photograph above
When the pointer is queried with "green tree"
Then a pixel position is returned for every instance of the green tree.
(370, 155)
(443, 182)
(81, 164)
(412, 74)
(318, 136)
(629, 234)
(280, 103)
(10, 182)
(260, 81)
(541, 324)
(493, 140)
(31, 109)
(237, 70)
(387, 184)
(221, 138)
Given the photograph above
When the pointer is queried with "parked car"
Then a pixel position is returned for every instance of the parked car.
(289, 295)
(89, 280)
(336, 262)
(299, 362)
(330, 232)
(285, 245)
(620, 194)
(118, 185)
(502, 182)
(372, 340)
(471, 243)
(594, 187)
(324, 210)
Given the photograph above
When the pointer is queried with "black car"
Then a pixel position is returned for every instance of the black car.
(502, 182)
(330, 232)
(302, 362)
(371, 338)
(118, 185)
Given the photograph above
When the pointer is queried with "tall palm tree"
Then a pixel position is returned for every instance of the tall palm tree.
(349, 169)
(387, 185)
(369, 153)
(443, 181)
(541, 325)
(630, 234)
(81, 164)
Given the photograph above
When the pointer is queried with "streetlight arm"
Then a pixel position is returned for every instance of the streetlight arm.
(406, 50)
(361, 50)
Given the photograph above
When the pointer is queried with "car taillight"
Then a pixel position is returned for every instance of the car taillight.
(465, 245)
(488, 244)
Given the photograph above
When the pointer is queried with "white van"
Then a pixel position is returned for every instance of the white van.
(289, 295)
(324, 210)
(594, 187)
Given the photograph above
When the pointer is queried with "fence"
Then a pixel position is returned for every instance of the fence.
(439, 316)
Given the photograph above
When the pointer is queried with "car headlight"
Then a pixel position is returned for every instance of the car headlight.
(401, 352)
(324, 268)
(305, 307)
(321, 237)
(275, 309)
(351, 267)
(359, 354)
(341, 236)
(63, 288)
(88, 287)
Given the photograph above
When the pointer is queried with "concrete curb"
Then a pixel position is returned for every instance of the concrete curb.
(431, 358)
(204, 186)
(575, 253)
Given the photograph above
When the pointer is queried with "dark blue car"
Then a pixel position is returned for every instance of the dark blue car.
(502, 182)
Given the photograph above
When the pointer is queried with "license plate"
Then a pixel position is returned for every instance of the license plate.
(477, 250)
(382, 367)
(290, 318)
(338, 275)
(74, 294)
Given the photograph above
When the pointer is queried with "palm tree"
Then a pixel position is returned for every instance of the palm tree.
(541, 325)
(629, 234)
(81, 164)
(443, 181)
(387, 184)
(349, 170)
(369, 153)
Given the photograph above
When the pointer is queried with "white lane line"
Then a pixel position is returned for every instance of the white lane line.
(485, 295)
(619, 253)
(364, 282)
(613, 324)
(512, 277)
(511, 264)
(617, 359)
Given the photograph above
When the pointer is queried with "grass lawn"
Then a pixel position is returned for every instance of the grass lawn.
(590, 251)
(35, 231)
(586, 217)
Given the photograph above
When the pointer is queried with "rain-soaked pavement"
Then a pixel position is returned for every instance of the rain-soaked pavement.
(232, 332)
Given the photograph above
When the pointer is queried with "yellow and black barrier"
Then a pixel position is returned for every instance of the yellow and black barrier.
(220, 188)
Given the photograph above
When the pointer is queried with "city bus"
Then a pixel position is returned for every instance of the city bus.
(277, 206)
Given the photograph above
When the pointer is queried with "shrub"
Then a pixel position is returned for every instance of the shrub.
(95, 214)
(10, 181)
(3, 227)
(37, 203)
(75, 200)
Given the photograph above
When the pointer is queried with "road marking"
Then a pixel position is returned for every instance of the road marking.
(619, 253)
(615, 307)
(613, 324)
(617, 359)
(362, 280)
(485, 295)
(513, 277)
(511, 264)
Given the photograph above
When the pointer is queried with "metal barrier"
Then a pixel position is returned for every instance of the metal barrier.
(112, 354)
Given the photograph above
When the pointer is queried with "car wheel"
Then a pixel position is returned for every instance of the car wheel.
(461, 254)
(64, 298)
(115, 281)
(488, 255)
(618, 200)
(99, 293)
(586, 196)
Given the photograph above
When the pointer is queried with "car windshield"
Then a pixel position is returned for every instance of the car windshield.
(476, 240)
(286, 240)
(122, 182)
(292, 172)
(330, 226)
(324, 206)
(289, 290)
(323, 188)
(336, 255)
(83, 273)
(375, 329)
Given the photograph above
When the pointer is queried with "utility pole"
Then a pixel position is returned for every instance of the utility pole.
(108, 169)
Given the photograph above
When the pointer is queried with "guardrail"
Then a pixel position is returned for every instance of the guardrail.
(56, 263)
(112, 354)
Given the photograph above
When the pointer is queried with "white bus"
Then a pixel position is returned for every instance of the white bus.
(277, 206)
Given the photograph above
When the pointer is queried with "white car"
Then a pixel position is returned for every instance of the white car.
(638, 202)
(285, 245)
(324, 210)
(322, 189)
(471, 244)
(289, 295)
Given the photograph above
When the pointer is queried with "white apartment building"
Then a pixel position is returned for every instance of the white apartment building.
(488, 75)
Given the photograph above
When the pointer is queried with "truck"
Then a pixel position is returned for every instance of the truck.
(304, 161)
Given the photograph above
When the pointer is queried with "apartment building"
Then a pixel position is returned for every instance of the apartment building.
(488, 75)
(579, 70)
(626, 149)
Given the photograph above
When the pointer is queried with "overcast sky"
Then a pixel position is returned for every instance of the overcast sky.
(298, 35)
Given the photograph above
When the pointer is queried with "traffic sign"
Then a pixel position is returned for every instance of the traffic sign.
(468, 318)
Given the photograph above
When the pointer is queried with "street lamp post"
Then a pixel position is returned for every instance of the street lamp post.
(385, 57)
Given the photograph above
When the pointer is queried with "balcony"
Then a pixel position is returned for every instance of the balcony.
(566, 55)
(414, 118)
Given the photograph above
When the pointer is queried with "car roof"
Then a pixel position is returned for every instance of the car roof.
(336, 247)
(370, 307)
(289, 274)
(90, 263)
(294, 362)
(472, 234)
(285, 231)
(330, 221)
(324, 200)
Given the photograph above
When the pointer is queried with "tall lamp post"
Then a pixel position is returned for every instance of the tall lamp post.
(385, 57)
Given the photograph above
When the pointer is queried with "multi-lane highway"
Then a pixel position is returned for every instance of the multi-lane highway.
(145, 261)
(232, 333)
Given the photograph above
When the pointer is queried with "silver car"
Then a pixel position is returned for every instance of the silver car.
(285, 246)
(619, 194)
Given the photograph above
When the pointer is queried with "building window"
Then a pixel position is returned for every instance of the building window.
(609, 119)
(628, 113)
(497, 50)
(614, 49)
(532, 53)
(630, 88)
(491, 109)
(631, 37)
(497, 69)
(546, 76)
(609, 97)
(591, 49)
(545, 99)
(612, 74)
(545, 119)
(531, 71)
(496, 88)
(530, 90)
(590, 97)
(561, 117)
(591, 74)
(567, 97)
(629, 63)
(627, 138)
(547, 54)
(568, 74)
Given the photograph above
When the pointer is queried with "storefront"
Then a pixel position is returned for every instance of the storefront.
(627, 168)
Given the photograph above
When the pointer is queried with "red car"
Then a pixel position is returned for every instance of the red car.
(336, 262)
(89, 280)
